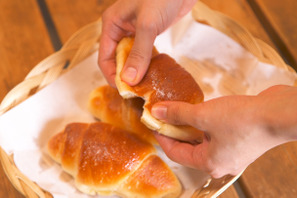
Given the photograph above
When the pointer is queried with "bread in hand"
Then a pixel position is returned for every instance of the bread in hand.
(107, 160)
(107, 105)
(165, 80)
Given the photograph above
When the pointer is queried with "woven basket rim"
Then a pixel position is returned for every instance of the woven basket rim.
(85, 42)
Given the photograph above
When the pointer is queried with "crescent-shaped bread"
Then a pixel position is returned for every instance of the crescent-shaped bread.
(165, 80)
(107, 160)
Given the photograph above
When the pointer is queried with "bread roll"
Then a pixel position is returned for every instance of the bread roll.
(107, 160)
(165, 80)
(107, 105)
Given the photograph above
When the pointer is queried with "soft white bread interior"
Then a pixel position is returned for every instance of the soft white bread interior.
(165, 80)
(107, 160)
(106, 104)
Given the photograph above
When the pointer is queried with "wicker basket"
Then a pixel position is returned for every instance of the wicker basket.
(86, 41)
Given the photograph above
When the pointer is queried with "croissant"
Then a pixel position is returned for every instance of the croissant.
(165, 80)
(107, 105)
(107, 160)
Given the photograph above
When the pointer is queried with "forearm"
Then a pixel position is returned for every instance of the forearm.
(278, 109)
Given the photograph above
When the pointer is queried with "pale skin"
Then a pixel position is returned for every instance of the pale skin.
(238, 129)
(144, 19)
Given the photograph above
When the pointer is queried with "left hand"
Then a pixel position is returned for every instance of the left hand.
(144, 19)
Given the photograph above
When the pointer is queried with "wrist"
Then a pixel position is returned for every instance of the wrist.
(277, 109)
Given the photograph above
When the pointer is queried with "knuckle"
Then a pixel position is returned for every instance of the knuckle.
(209, 166)
(213, 169)
(217, 171)
(171, 153)
(217, 174)
(138, 56)
(147, 25)
(107, 14)
(171, 156)
(196, 119)
(197, 115)
(173, 113)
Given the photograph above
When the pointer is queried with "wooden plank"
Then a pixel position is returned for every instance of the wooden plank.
(23, 39)
(229, 193)
(24, 43)
(71, 15)
(241, 12)
(275, 173)
(279, 18)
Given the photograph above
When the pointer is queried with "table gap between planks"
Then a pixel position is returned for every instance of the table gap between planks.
(24, 43)
(279, 19)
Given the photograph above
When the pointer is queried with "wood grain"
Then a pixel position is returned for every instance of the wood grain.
(279, 18)
(71, 15)
(24, 43)
(241, 12)
(23, 39)
(229, 193)
(273, 174)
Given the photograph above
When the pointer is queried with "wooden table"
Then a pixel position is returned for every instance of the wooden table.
(31, 30)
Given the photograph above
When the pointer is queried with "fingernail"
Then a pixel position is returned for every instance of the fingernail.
(129, 74)
(159, 112)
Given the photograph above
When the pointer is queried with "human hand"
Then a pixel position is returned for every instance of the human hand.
(238, 129)
(144, 19)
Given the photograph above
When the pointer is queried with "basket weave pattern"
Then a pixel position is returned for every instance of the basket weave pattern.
(85, 42)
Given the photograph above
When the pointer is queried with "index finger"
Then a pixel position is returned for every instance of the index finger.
(184, 153)
(111, 35)
(106, 60)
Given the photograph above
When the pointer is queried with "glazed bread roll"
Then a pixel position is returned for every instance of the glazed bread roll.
(106, 104)
(107, 160)
(165, 80)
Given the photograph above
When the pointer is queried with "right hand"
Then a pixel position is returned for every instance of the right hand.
(144, 19)
(238, 129)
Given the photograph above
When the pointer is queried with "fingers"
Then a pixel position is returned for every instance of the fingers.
(139, 58)
(177, 113)
(106, 59)
(111, 34)
(195, 156)
(181, 152)
(114, 29)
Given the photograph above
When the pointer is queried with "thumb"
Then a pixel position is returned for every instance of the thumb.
(140, 56)
(177, 113)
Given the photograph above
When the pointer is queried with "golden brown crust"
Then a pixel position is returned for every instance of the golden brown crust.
(107, 105)
(165, 80)
(101, 157)
(109, 154)
(154, 179)
(55, 146)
